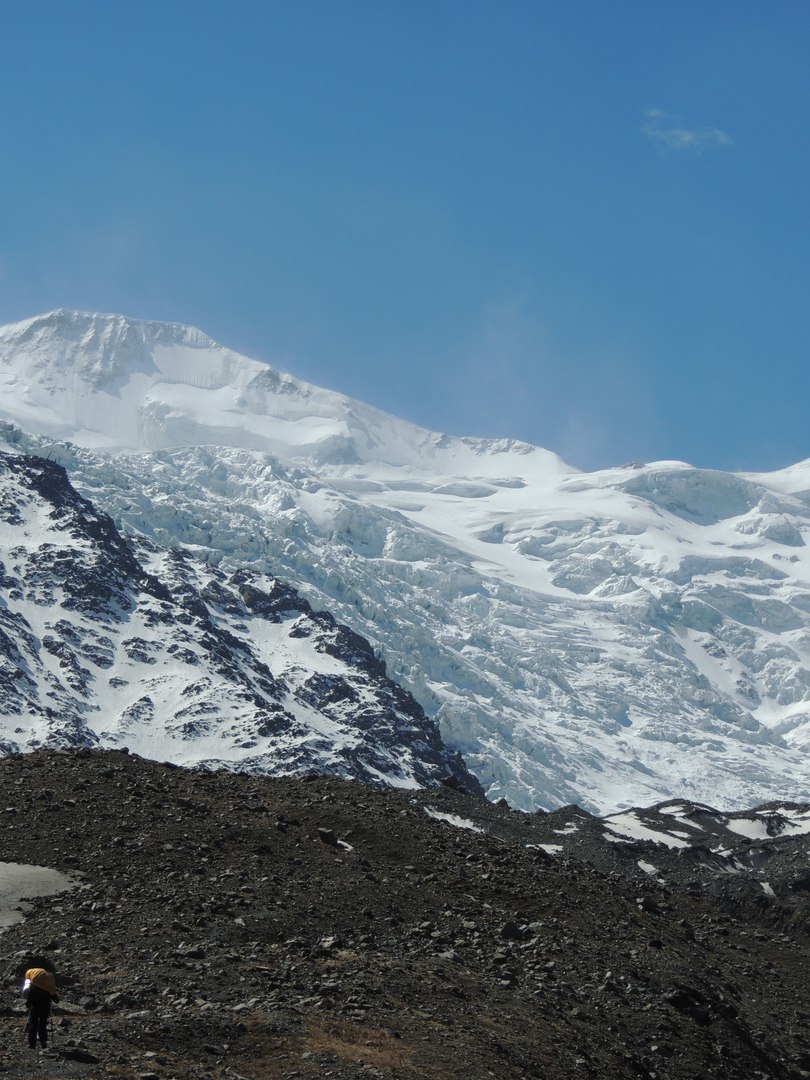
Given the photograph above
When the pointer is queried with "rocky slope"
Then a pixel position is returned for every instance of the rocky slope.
(232, 926)
(111, 642)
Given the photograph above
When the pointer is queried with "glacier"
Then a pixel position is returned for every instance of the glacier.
(612, 638)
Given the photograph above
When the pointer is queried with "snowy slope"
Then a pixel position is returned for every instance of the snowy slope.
(109, 642)
(111, 383)
(613, 638)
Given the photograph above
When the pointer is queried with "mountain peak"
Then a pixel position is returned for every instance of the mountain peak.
(609, 638)
(109, 382)
(101, 349)
(86, 326)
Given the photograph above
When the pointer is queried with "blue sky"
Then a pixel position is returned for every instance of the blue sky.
(582, 224)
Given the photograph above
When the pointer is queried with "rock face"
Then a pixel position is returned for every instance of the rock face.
(110, 641)
(228, 926)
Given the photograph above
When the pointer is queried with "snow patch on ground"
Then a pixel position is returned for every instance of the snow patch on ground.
(754, 829)
(550, 849)
(628, 827)
(453, 819)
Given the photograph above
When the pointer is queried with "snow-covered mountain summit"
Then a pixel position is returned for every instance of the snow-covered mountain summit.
(614, 638)
(113, 383)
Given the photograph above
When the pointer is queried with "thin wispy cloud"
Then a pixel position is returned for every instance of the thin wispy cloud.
(668, 133)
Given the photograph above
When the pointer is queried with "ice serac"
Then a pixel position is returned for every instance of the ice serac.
(613, 638)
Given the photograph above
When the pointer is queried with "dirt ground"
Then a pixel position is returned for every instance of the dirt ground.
(239, 927)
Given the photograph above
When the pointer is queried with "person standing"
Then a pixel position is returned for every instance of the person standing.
(39, 990)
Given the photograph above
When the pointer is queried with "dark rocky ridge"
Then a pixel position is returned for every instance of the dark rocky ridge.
(109, 640)
(236, 926)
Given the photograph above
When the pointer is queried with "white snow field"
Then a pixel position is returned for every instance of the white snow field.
(612, 638)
